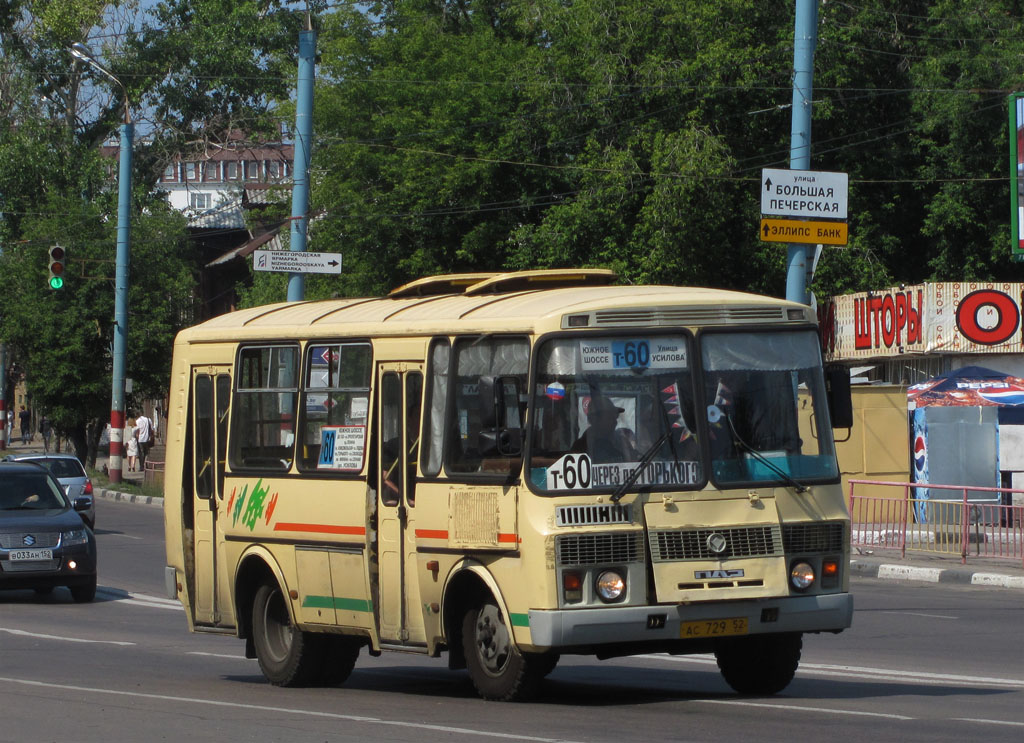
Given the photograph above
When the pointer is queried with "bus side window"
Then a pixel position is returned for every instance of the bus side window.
(474, 358)
(264, 414)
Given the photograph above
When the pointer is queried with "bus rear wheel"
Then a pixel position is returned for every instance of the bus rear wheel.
(496, 667)
(287, 655)
(759, 664)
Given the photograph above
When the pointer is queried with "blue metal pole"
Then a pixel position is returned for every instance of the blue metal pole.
(804, 41)
(124, 194)
(303, 152)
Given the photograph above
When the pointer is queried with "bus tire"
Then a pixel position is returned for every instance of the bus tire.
(287, 656)
(339, 658)
(496, 667)
(759, 664)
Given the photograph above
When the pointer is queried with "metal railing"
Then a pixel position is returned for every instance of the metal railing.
(978, 527)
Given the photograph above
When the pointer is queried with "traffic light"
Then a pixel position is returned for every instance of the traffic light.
(57, 265)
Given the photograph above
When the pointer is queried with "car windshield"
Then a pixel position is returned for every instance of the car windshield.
(29, 491)
(63, 466)
(613, 409)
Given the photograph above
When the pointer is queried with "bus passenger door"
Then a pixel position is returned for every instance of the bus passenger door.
(211, 398)
(400, 401)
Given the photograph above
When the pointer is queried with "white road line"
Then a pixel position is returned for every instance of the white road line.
(287, 710)
(990, 722)
(140, 599)
(38, 636)
(864, 672)
(919, 614)
(799, 708)
(218, 655)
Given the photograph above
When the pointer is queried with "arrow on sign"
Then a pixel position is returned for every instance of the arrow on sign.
(766, 232)
(767, 184)
(333, 263)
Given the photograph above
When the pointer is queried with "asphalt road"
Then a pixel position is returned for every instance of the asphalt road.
(922, 663)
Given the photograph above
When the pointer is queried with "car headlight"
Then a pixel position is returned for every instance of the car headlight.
(610, 586)
(801, 575)
(73, 537)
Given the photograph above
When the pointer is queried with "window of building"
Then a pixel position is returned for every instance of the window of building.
(273, 169)
(211, 171)
(200, 200)
(171, 172)
(252, 170)
(191, 171)
(231, 170)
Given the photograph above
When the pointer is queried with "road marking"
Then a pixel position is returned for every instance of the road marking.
(864, 672)
(218, 655)
(799, 708)
(287, 710)
(990, 722)
(39, 636)
(139, 599)
(919, 614)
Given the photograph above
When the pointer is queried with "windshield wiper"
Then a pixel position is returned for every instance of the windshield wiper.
(635, 474)
(783, 475)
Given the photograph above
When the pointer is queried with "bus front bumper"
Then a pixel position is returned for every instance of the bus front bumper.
(565, 628)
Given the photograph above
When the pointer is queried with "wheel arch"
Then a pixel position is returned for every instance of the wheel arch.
(468, 583)
(256, 566)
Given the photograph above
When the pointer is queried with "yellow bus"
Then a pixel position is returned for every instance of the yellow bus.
(507, 468)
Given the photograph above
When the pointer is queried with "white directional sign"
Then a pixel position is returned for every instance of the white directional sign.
(296, 261)
(804, 193)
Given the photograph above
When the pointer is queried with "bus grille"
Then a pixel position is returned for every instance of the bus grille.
(600, 549)
(692, 544)
(607, 513)
(817, 537)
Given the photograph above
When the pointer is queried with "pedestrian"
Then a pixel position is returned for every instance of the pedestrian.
(10, 425)
(45, 429)
(132, 447)
(25, 418)
(144, 433)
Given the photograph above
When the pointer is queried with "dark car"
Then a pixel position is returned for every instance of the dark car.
(43, 541)
(70, 474)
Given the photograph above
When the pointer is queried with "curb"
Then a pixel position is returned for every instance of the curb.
(144, 500)
(962, 576)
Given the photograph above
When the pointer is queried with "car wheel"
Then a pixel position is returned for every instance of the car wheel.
(84, 592)
(759, 664)
(287, 655)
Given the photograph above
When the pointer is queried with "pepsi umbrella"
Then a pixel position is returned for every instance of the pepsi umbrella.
(968, 386)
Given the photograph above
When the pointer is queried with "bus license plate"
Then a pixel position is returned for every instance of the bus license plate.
(713, 628)
(18, 555)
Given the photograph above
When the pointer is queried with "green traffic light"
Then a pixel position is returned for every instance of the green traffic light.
(56, 282)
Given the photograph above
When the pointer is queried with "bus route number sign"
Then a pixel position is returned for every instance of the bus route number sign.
(341, 448)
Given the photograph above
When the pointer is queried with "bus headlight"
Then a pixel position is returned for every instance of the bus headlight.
(610, 586)
(801, 575)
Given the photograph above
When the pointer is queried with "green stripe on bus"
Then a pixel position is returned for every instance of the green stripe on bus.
(519, 620)
(330, 602)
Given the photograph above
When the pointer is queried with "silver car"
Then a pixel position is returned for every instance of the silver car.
(70, 474)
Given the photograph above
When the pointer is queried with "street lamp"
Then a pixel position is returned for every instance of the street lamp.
(117, 407)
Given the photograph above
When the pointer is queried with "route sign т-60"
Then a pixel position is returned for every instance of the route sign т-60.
(804, 193)
(296, 261)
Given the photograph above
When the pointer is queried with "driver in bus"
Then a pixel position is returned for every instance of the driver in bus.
(602, 440)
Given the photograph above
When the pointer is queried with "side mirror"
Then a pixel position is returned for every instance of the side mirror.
(81, 504)
(840, 401)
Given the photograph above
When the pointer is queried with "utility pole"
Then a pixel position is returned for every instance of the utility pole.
(303, 152)
(805, 39)
(122, 263)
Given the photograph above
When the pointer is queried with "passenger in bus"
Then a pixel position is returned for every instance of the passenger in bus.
(603, 440)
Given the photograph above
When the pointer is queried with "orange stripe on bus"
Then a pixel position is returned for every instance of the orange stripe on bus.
(322, 528)
(431, 533)
(513, 538)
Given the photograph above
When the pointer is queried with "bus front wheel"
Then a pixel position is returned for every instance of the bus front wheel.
(287, 656)
(759, 664)
(496, 667)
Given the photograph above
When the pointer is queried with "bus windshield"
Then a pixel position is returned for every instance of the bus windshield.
(606, 407)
